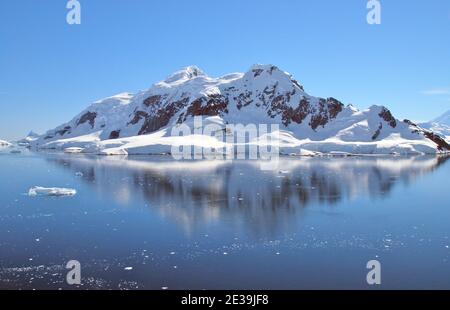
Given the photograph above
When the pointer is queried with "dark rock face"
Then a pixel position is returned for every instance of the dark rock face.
(211, 105)
(114, 134)
(377, 133)
(327, 110)
(386, 115)
(138, 115)
(88, 117)
(296, 83)
(407, 121)
(162, 116)
(441, 143)
(152, 100)
(257, 72)
(243, 99)
(63, 131)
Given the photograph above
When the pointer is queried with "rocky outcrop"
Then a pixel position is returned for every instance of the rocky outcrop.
(115, 134)
(263, 95)
(386, 115)
(211, 105)
(440, 142)
(88, 117)
(377, 132)
(162, 116)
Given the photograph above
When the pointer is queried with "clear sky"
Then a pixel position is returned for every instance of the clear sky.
(50, 71)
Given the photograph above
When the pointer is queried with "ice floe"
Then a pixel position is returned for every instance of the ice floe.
(51, 191)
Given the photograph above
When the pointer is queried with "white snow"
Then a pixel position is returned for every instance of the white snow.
(73, 150)
(32, 136)
(351, 132)
(440, 125)
(4, 143)
(51, 191)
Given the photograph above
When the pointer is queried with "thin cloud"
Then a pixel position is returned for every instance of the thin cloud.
(436, 91)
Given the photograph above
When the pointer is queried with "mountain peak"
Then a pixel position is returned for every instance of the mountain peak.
(271, 72)
(443, 119)
(185, 74)
(32, 134)
(259, 69)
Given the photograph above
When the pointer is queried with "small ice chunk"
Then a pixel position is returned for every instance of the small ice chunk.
(128, 268)
(73, 150)
(79, 174)
(51, 191)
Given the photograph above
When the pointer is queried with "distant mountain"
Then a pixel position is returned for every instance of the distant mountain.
(440, 125)
(32, 136)
(444, 119)
(141, 123)
(4, 143)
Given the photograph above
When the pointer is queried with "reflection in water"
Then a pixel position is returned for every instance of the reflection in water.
(197, 192)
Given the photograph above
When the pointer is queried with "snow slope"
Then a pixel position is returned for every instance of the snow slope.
(32, 136)
(440, 125)
(142, 123)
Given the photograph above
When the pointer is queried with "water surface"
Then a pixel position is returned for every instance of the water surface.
(312, 224)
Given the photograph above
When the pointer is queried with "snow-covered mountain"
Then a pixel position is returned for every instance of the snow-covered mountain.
(142, 123)
(440, 125)
(32, 136)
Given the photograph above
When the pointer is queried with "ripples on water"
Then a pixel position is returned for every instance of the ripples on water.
(150, 222)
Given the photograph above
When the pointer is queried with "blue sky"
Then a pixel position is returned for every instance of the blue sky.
(50, 71)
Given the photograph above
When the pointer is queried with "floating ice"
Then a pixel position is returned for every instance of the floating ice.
(51, 191)
(73, 150)
(128, 268)
(79, 174)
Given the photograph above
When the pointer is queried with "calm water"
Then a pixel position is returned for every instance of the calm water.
(225, 225)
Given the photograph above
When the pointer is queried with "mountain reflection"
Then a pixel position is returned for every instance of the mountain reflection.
(194, 192)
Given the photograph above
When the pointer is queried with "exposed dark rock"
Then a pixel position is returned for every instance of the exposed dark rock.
(273, 68)
(138, 115)
(63, 131)
(208, 106)
(386, 115)
(161, 118)
(327, 110)
(114, 134)
(441, 143)
(377, 133)
(88, 117)
(407, 121)
(152, 100)
(296, 83)
(257, 72)
(244, 99)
